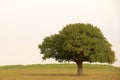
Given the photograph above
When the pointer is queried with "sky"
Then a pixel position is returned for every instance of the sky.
(25, 23)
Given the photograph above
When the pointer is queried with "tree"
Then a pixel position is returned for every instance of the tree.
(78, 43)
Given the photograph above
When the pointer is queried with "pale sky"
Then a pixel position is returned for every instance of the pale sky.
(25, 23)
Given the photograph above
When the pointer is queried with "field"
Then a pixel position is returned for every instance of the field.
(59, 72)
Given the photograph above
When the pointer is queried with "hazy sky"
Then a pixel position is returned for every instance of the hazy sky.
(25, 23)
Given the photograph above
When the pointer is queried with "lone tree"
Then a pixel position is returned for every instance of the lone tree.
(78, 43)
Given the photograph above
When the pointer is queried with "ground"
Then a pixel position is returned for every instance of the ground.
(59, 72)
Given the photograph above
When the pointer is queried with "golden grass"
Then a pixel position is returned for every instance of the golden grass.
(59, 74)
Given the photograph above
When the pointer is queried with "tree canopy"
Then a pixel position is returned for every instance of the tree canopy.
(78, 42)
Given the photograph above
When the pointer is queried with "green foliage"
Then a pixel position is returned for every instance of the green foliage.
(78, 42)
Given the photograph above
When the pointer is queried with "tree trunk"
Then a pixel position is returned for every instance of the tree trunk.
(79, 68)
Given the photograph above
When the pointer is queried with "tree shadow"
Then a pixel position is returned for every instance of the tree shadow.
(52, 74)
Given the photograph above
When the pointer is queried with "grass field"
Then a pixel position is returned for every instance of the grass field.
(58, 72)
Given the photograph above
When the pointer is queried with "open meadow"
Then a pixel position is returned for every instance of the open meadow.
(59, 72)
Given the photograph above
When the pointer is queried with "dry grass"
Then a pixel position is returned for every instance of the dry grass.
(108, 73)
